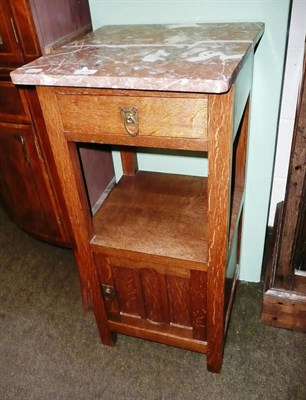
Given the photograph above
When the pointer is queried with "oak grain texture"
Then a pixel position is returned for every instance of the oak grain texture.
(77, 208)
(219, 187)
(165, 121)
(167, 334)
(178, 290)
(155, 298)
(154, 213)
(155, 295)
(198, 304)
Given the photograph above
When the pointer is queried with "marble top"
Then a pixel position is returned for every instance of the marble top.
(188, 58)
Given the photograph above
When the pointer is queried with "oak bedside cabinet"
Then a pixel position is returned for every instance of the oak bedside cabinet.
(159, 259)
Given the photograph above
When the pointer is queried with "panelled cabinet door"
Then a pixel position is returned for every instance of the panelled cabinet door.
(154, 297)
(23, 187)
(10, 51)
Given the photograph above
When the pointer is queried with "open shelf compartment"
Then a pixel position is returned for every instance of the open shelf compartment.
(157, 214)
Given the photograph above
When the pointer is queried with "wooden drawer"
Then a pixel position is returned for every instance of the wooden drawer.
(134, 118)
(13, 106)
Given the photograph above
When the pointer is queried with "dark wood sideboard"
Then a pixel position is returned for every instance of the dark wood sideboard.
(28, 178)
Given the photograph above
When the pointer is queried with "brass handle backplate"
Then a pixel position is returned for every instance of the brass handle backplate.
(130, 119)
(108, 292)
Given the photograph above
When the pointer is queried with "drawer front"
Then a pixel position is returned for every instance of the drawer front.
(13, 106)
(134, 119)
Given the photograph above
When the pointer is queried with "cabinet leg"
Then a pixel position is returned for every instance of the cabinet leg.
(214, 361)
(129, 162)
(86, 299)
(105, 333)
(92, 296)
(101, 319)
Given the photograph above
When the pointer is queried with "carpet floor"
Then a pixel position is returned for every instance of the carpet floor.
(50, 349)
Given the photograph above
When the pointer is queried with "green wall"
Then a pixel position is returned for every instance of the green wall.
(268, 71)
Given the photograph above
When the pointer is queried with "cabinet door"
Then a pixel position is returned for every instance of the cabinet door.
(23, 184)
(13, 105)
(154, 301)
(10, 51)
(25, 29)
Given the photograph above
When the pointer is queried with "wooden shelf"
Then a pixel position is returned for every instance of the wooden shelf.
(157, 214)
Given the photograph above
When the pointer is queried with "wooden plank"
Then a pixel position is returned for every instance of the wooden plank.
(175, 266)
(293, 204)
(155, 295)
(273, 248)
(182, 271)
(171, 143)
(170, 335)
(179, 300)
(129, 292)
(280, 309)
(219, 185)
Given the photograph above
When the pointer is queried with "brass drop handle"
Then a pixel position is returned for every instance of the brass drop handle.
(130, 119)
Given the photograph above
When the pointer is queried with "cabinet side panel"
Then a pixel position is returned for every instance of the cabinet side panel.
(98, 169)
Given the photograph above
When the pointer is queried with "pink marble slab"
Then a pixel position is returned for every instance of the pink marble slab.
(188, 58)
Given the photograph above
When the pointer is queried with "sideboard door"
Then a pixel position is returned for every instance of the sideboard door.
(10, 51)
(27, 200)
